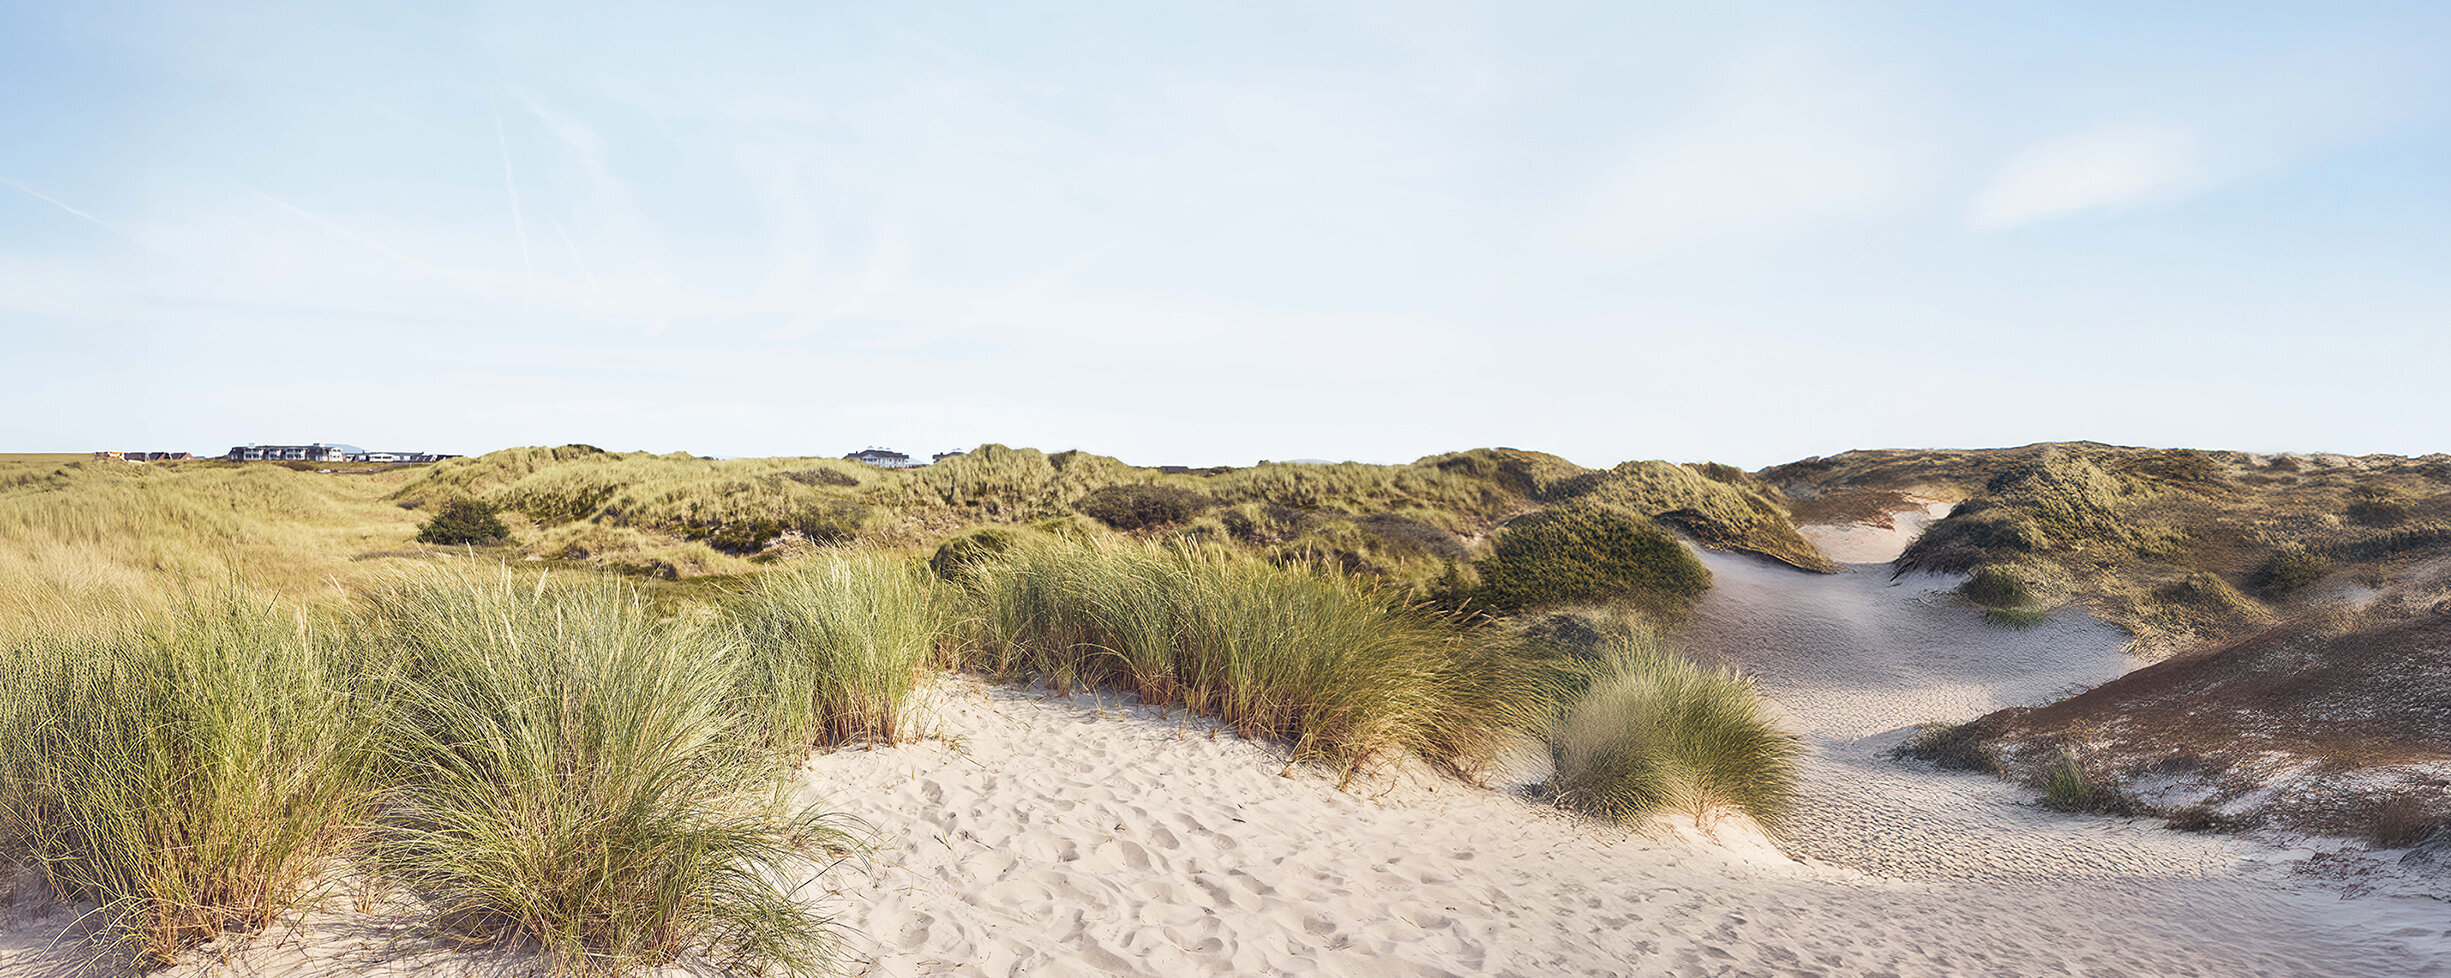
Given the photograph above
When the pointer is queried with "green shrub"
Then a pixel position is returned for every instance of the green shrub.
(2373, 506)
(2065, 784)
(1652, 732)
(2020, 618)
(1307, 655)
(967, 549)
(2290, 568)
(1996, 587)
(465, 521)
(1954, 747)
(190, 774)
(835, 646)
(566, 768)
(1589, 553)
(1136, 507)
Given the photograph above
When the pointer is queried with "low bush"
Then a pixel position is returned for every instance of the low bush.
(1993, 586)
(465, 521)
(190, 774)
(2290, 568)
(835, 646)
(2066, 785)
(1307, 655)
(2016, 617)
(1652, 732)
(970, 547)
(565, 767)
(1137, 507)
(2374, 506)
(1589, 553)
(2404, 821)
(1953, 746)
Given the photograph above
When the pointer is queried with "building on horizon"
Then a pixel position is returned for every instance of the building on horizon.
(881, 457)
(322, 452)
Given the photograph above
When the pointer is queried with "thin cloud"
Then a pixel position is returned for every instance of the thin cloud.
(510, 183)
(56, 202)
(2100, 169)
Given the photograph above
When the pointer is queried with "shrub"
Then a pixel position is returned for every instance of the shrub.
(1652, 732)
(190, 775)
(2379, 507)
(2403, 822)
(970, 547)
(1134, 507)
(465, 521)
(1993, 586)
(565, 769)
(1956, 747)
(1303, 654)
(1589, 553)
(2016, 617)
(2290, 568)
(2065, 784)
(835, 646)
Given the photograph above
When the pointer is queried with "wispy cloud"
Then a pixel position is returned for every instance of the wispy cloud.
(56, 202)
(2107, 168)
(412, 262)
(510, 183)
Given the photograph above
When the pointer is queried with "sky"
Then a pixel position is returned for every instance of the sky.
(1215, 233)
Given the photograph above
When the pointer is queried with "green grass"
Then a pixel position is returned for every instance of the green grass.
(1584, 553)
(565, 768)
(2019, 618)
(1645, 731)
(191, 773)
(834, 647)
(1318, 659)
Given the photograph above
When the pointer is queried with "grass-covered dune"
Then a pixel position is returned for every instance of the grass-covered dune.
(264, 696)
(2179, 547)
(2337, 720)
(1422, 526)
(2298, 601)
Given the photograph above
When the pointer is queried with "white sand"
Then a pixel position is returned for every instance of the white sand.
(1876, 542)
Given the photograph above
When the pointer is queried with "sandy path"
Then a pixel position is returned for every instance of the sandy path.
(1858, 658)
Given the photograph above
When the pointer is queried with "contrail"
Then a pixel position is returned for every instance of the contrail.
(56, 202)
(378, 247)
(574, 252)
(519, 221)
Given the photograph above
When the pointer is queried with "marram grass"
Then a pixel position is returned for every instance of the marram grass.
(1322, 661)
(566, 770)
(834, 647)
(191, 772)
(1644, 731)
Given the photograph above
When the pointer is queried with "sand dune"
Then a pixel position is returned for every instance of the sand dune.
(1057, 837)
(1031, 834)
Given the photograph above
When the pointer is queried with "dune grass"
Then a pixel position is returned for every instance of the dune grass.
(1308, 655)
(1644, 731)
(565, 769)
(834, 647)
(190, 773)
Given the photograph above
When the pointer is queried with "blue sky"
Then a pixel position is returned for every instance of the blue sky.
(1202, 234)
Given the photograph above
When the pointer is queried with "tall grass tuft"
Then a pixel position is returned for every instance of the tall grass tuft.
(1303, 654)
(566, 769)
(835, 646)
(190, 773)
(1645, 731)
